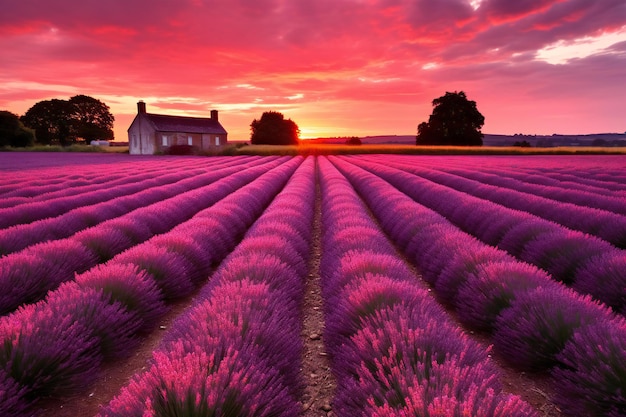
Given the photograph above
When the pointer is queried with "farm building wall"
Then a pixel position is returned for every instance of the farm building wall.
(141, 137)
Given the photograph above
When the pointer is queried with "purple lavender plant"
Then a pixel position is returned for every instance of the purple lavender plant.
(112, 325)
(362, 299)
(462, 263)
(192, 251)
(592, 378)
(47, 354)
(515, 240)
(104, 241)
(169, 270)
(539, 323)
(604, 277)
(492, 288)
(136, 291)
(562, 252)
(22, 279)
(219, 383)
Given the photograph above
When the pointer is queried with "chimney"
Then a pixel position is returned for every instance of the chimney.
(141, 106)
(214, 115)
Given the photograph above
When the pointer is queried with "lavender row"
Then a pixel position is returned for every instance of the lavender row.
(30, 212)
(238, 350)
(18, 237)
(607, 225)
(536, 323)
(57, 346)
(393, 349)
(602, 175)
(82, 168)
(31, 184)
(589, 264)
(27, 193)
(565, 191)
(28, 275)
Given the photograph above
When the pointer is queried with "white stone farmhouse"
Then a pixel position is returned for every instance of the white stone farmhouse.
(151, 133)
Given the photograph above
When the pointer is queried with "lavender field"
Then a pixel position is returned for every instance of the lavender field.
(438, 276)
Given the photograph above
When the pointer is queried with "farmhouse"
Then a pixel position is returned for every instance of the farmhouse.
(150, 133)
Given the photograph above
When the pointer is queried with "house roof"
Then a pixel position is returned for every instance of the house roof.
(166, 123)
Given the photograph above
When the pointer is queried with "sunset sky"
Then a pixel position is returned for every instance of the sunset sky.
(335, 67)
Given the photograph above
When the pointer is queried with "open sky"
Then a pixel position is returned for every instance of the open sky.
(335, 67)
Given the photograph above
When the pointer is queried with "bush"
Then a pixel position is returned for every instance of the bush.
(170, 271)
(181, 150)
(47, 354)
(539, 323)
(465, 261)
(134, 290)
(592, 380)
(604, 277)
(492, 288)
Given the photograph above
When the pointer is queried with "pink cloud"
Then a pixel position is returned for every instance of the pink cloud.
(350, 65)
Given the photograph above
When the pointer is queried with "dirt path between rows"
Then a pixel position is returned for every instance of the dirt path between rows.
(320, 383)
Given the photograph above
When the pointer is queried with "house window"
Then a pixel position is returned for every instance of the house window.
(164, 139)
(217, 141)
(189, 140)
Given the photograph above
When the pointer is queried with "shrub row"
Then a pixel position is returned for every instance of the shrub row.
(56, 346)
(237, 351)
(537, 324)
(51, 207)
(20, 236)
(572, 186)
(393, 349)
(589, 264)
(607, 225)
(28, 275)
(47, 189)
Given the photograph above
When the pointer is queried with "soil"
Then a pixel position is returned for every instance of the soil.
(320, 384)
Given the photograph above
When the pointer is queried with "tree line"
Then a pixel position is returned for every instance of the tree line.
(455, 120)
(58, 122)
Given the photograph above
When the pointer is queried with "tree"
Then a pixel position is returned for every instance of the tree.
(273, 129)
(92, 118)
(13, 132)
(455, 121)
(65, 121)
(354, 140)
(51, 120)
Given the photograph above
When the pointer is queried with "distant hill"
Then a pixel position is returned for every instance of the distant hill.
(547, 141)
